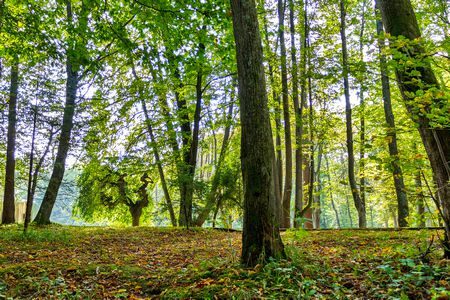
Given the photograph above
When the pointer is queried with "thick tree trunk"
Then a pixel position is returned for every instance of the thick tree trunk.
(137, 207)
(8, 213)
(402, 201)
(359, 204)
(45, 211)
(260, 238)
(287, 191)
(136, 216)
(399, 20)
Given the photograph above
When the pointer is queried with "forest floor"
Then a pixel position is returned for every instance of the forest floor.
(61, 262)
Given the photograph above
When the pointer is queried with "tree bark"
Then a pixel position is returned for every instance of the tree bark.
(362, 133)
(260, 238)
(359, 204)
(278, 164)
(8, 214)
(45, 211)
(420, 199)
(190, 156)
(29, 205)
(402, 200)
(287, 122)
(298, 122)
(399, 20)
(317, 209)
(137, 207)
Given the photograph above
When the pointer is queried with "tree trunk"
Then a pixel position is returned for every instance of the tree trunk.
(333, 205)
(420, 199)
(362, 133)
(8, 213)
(190, 156)
(287, 122)
(402, 200)
(298, 122)
(306, 176)
(278, 164)
(45, 211)
(136, 213)
(349, 211)
(213, 193)
(359, 204)
(317, 209)
(137, 207)
(399, 20)
(162, 177)
(260, 238)
(30, 195)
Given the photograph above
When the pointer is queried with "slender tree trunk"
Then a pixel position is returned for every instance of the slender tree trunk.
(260, 238)
(402, 200)
(190, 156)
(317, 196)
(306, 202)
(333, 205)
(45, 211)
(359, 204)
(399, 20)
(186, 134)
(287, 122)
(158, 162)
(213, 193)
(362, 133)
(297, 111)
(278, 164)
(8, 214)
(162, 177)
(420, 199)
(349, 211)
(29, 206)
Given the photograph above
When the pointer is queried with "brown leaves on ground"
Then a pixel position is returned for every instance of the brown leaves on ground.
(107, 263)
(147, 263)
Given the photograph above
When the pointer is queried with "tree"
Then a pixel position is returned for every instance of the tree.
(74, 56)
(397, 174)
(9, 193)
(260, 238)
(287, 121)
(426, 103)
(360, 205)
(112, 187)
